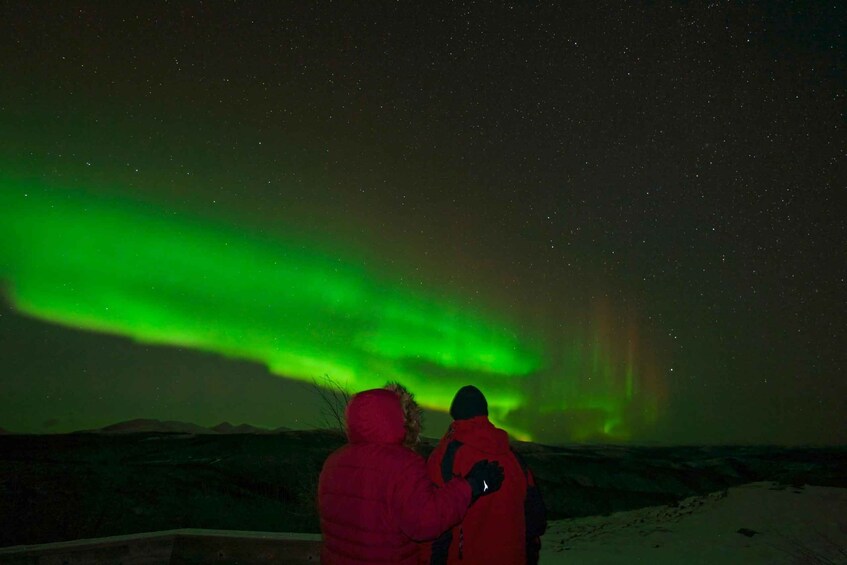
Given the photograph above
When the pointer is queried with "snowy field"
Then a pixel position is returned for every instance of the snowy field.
(753, 523)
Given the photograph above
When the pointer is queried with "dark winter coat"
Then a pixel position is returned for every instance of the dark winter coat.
(374, 497)
(494, 529)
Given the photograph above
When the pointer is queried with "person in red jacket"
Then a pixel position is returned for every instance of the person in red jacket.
(503, 528)
(374, 497)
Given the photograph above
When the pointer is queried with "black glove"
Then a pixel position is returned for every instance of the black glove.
(484, 477)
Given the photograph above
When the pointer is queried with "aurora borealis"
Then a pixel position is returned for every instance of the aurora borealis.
(132, 270)
(620, 224)
(138, 272)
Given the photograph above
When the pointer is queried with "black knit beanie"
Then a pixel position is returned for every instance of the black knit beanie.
(468, 403)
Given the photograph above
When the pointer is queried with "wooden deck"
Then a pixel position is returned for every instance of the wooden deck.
(173, 547)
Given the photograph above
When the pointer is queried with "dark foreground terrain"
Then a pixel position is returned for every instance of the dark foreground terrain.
(62, 487)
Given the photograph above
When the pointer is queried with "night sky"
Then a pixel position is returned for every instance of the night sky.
(622, 222)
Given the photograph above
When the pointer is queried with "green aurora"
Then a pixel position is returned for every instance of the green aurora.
(158, 276)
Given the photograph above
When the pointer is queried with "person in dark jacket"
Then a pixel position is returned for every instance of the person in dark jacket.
(503, 528)
(374, 497)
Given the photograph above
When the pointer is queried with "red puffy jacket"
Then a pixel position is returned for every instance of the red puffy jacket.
(374, 497)
(493, 530)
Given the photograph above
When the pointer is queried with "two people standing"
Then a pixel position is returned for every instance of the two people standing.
(379, 501)
(375, 499)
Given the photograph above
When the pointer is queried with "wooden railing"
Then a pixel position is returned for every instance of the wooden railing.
(172, 547)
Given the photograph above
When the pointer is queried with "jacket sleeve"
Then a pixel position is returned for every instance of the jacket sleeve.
(423, 510)
(433, 463)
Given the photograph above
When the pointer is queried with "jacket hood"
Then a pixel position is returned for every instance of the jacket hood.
(375, 416)
(482, 434)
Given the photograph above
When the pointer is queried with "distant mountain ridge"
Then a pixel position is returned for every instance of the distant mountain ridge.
(152, 425)
(227, 428)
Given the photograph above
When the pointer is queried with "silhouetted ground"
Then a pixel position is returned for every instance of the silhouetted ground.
(62, 487)
(594, 480)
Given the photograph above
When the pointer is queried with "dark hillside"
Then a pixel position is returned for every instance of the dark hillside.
(62, 487)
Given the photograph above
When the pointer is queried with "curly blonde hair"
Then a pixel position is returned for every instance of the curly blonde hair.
(411, 411)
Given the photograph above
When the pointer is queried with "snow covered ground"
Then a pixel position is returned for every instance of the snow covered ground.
(753, 523)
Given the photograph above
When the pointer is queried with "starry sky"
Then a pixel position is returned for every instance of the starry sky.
(622, 222)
